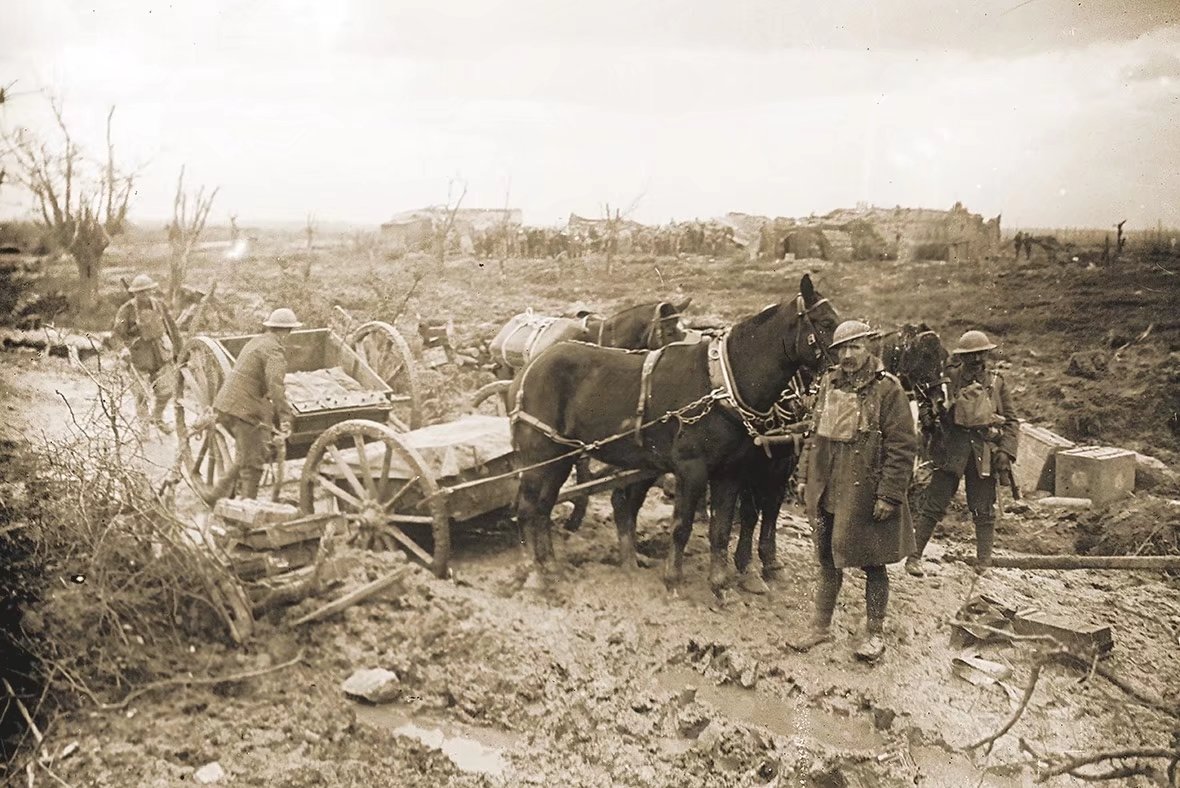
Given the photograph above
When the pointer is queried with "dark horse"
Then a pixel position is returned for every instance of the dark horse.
(693, 403)
(917, 356)
(644, 326)
(767, 479)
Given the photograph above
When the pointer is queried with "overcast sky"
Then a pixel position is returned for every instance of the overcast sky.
(1053, 112)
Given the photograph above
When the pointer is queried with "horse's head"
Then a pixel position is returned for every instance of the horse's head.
(667, 325)
(815, 320)
(918, 357)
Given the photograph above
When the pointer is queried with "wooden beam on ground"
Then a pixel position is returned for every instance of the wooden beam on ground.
(1156, 562)
(353, 597)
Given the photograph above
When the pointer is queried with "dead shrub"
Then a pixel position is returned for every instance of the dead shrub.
(128, 586)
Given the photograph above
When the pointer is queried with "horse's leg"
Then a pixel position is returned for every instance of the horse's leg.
(627, 501)
(723, 492)
(778, 476)
(749, 507)
(747, 510)
(534, 503)
(582, 474)
(691, 479)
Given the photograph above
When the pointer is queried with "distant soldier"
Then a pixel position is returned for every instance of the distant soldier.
(253, 398)
(150, 342)
(1028, 242)
(974, 437)
(854, 472)
(1017, 242)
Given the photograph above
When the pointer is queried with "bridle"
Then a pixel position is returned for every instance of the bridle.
(803, 312)
(656, 334)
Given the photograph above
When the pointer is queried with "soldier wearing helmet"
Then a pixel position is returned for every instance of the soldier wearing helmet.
(150, 341)
(253, 398)
(975, 439)
(853, 475)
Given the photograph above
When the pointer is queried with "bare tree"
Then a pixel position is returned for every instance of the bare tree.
(81, 203)
(614, 223)
(309, 229)
(443, 228)
(186, 228)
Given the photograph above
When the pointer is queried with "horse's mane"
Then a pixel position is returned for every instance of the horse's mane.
(748, 325)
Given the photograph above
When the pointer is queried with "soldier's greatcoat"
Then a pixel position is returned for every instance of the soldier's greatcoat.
(847, 476)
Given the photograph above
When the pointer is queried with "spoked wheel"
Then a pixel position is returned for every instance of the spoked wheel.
(491, 399)
(206, 449)
(363, 470)
(385, 351)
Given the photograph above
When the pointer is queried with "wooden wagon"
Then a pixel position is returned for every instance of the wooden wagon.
(369, 375)
(396, 485)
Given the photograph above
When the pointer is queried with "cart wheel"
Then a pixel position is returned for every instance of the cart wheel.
(206, 450)
(384, 350)
(491, 399)
(356, 468)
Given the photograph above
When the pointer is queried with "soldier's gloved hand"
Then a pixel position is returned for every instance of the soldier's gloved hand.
(883, 510)
(800, 491)
(285, 428)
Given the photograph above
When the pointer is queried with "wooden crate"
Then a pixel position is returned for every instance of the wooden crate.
(1036, 454)
(275, 535)
(254, 513)
(1100, 473)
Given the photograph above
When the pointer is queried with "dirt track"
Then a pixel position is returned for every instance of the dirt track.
(585, 684)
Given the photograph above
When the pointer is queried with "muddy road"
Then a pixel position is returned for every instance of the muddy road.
(605, 679)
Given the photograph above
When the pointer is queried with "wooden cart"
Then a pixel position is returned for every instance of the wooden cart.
(395, 486)
(373, 361)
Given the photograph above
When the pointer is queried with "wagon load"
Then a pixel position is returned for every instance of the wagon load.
(515, 343)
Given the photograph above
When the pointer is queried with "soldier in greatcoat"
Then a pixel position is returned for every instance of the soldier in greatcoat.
(974, 437)
(149, 342)
(854, 473)
(253, 399)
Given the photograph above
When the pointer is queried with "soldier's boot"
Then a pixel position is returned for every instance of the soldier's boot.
(830, 580)
(873, 646)
(158, 417)
(923, 529)
(985, 539)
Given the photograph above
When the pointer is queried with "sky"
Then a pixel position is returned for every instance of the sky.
(1050, 112)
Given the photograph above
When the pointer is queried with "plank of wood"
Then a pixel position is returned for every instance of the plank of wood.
(1088, 562)
(353, 597)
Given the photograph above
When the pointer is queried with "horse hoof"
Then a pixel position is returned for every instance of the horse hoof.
(644, 562)
(773, 572)
(753, 584)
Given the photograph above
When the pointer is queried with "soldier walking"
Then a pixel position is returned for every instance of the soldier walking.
(854, 472)
(253, 399)
(974, 437)
(150, 342)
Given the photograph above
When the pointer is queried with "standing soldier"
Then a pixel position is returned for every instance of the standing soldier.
(1017, 241)
(150, 342)
(974, 436)
(854, 473)
(253, 398)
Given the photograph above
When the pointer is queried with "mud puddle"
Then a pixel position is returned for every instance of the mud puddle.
(790, 719)
(471, 748)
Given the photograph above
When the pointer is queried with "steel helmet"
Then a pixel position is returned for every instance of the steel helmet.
(973, 342)
(140, 283)
(850, 330)
(282, 318)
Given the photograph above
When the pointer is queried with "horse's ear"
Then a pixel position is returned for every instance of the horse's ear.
(807, 289)
(678, 307)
